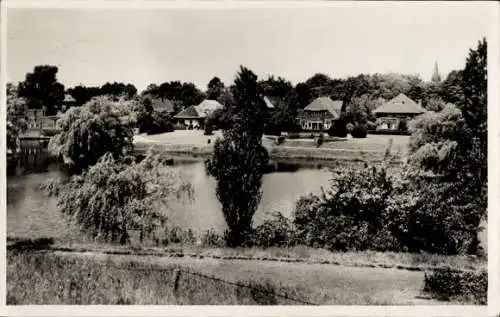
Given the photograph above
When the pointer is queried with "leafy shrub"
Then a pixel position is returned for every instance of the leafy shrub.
(278, 231)
(179, 235)
(359, 132)
(349, 127)
(114, 197)
(435, 216)
(211, 238)
(447, 284)
(350, 215)
(338, 129)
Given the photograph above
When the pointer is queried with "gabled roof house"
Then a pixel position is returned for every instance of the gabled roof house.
(392, 112)
(320, 114)
(195, 115)
(401, 105)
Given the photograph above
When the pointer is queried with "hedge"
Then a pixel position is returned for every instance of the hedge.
(388, 132)
(448, 284)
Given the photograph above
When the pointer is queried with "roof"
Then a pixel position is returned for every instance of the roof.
(162, 105)
(322, 104)
(204, 109)
(316, 115)
(400, 104)
(68, 98)
(189, 112)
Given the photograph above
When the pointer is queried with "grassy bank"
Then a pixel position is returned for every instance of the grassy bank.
(296, 254)
(275, 152)
(194, 143)
(90, 278)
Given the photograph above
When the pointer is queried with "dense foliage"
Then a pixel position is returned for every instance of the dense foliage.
(239, 159)
(42, 90)
(359, 131)
(338, 129)
(16, 117)
(88, 132)
(116, 197)
(151, 121)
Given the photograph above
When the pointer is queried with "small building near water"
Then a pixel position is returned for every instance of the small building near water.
(320, 114)
(390, 114)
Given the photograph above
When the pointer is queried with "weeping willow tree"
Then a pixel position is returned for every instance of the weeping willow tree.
(86, 133)
(114, 197)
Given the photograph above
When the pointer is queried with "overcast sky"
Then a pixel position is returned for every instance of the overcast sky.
(153, 46)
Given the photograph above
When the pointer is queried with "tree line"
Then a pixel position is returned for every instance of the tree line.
(360, 94)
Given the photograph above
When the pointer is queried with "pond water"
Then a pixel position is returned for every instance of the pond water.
(31, 213)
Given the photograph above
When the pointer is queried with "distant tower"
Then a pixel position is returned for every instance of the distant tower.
(435, 75)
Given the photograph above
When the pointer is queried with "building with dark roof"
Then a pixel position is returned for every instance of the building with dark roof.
(392, 112)
(195, 115)
(320, 114)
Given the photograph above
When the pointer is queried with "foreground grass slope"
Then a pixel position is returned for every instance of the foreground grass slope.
(93, 278)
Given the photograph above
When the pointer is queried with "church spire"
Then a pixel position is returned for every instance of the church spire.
(435, 75)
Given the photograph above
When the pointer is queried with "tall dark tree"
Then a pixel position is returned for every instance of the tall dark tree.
(452, 87)
(276, 87)
(117, 90)
(186, 94)
(215, 88)
(303, 94)
(83, 94)
(239, 159)
(151, 90)
(42, 90)
(475, 108)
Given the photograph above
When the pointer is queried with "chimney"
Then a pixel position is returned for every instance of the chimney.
(420, 102)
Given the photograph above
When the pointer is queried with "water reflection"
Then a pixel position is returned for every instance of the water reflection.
(30, 212)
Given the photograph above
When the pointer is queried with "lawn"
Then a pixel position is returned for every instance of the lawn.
(194, 142)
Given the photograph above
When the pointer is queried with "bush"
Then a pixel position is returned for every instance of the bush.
(350, 215)
(359, 132)
(447, 284)
(275, 232)
(160, 122)
(211, 238)
(338, 129)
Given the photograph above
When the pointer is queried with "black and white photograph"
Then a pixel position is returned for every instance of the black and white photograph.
(255, 155)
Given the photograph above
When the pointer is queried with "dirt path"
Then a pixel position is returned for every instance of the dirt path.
(333, 284)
